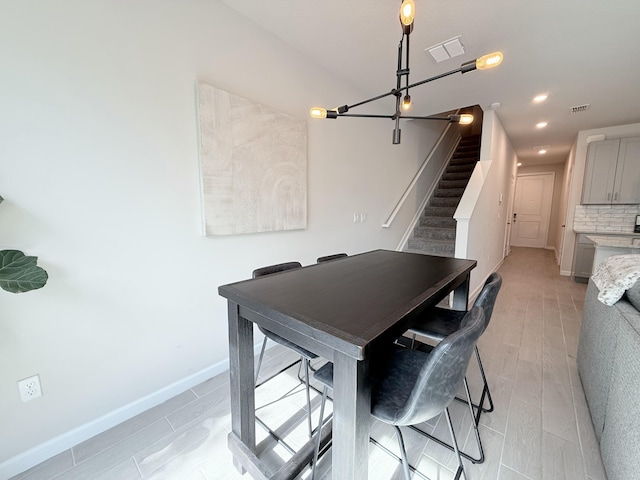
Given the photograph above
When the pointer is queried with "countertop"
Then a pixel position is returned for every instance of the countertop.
(628, 241)
(605, 234)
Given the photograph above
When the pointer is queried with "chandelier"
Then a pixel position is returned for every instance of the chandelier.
(403, 103)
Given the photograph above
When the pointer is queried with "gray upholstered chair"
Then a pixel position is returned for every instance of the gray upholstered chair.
(305, 355)
(335, 256)
(437, 323)
(412, 386)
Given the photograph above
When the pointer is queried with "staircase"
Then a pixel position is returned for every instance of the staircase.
(435, 233)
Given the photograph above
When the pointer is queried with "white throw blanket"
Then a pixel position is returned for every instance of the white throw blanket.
(615, 275)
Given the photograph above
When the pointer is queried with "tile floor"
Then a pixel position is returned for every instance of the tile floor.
(540, 428)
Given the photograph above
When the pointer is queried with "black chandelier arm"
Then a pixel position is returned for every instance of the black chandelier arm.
(431, 79)
(467, 67)
(395, 116)
(410, 117)
(365, 115)
(395, 91)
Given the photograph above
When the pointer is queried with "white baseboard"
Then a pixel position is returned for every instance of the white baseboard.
(59, 444)
(555, 252)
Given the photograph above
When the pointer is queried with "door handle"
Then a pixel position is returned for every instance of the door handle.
(615, 197)
(608, 197)
(514, 217)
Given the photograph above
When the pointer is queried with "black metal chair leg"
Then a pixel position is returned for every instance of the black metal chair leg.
(306, 384)
(317, 449)
(485, 387)
(460, 469)
(264, 345)
(475, 425)
(403, 452)
(486, 393)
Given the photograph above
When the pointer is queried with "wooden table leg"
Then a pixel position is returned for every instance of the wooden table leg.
(351, 418)
(461, 295)
(243, 412)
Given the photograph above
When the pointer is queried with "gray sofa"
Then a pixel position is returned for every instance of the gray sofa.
(609, 367)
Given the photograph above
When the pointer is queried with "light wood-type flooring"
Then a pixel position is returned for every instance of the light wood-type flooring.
(540, 428)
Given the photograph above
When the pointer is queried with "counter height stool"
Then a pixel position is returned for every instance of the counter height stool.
(411, 386)
(305, 355)
(436, 323)
(335, 256)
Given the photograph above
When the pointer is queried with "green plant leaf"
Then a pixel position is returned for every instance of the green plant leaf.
(19, 272)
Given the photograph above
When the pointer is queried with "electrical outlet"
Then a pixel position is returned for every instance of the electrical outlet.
(29, 388)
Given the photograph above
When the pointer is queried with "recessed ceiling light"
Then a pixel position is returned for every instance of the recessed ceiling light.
(519, 164)
(540, 98)
(542, 152)
(541, 124)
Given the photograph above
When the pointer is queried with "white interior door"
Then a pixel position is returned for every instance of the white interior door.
(532, 210)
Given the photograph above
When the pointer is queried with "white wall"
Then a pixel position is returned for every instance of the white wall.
(481, 216)
(99, 171)
(579, 155)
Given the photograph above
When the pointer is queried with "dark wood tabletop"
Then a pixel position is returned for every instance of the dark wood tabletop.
(351, 302)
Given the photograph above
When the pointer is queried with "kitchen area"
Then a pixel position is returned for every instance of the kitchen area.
(607, 222)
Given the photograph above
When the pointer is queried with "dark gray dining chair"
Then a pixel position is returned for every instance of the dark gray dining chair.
(411, 386)
(436, 323)
(328, 258)
(305, 355)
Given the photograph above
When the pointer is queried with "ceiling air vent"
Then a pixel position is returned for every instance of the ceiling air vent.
(580, 108)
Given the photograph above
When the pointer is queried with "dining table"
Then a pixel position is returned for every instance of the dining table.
(344, 311)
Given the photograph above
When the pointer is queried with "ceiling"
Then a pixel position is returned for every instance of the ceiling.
(576, 51)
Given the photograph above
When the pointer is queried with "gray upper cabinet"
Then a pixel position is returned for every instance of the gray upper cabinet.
(613, 172)
(627, 187)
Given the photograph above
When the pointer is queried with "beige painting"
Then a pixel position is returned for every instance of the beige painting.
(253, 162)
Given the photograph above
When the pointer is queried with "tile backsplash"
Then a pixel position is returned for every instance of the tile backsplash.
(605, 218)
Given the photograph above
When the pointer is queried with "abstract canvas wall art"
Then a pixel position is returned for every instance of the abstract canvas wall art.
(253, 162)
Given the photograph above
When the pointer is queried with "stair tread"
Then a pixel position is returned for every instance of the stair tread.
(438, 211)
(430, 241)
(469, 152)
(449, 192)
(464, 167)
(435, 233)
(453, 184)
(457, 175)
(438, 217)
(440, 228)
(444, 202)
